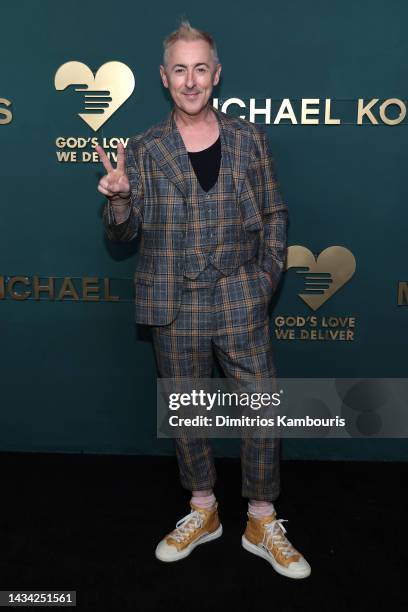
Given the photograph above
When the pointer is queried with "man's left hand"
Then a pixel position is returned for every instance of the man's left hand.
(269, 278)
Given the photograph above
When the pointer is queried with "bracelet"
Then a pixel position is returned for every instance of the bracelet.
(119, 197)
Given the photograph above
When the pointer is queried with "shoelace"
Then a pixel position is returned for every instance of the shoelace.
(187, 525)
(274, 533)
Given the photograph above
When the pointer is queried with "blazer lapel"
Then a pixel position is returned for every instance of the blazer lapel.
(166, 146)
(236, 142)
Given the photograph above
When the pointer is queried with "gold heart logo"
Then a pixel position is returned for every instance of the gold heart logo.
(324, 275)
(106, 91)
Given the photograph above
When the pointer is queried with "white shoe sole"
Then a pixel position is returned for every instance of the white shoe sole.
(189, 549)
(253, 548)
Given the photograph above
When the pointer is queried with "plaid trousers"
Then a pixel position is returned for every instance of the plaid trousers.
(230, 315)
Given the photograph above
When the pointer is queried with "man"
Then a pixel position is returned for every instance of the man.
(200, 188)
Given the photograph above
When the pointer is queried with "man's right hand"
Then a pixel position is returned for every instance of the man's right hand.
(115, 184)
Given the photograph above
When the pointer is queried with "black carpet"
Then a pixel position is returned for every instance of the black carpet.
(90, 523)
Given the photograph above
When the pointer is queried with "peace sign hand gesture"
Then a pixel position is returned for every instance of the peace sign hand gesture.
(115, 183)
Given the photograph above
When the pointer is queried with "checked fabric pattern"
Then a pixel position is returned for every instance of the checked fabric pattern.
(163, 190)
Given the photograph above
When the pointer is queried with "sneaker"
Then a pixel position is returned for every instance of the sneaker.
(200, 526)
(265, 537)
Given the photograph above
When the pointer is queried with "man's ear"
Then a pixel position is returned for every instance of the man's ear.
(163, 76)
(217, 74)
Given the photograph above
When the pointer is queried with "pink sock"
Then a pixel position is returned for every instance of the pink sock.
(205, 501)
(259, 511)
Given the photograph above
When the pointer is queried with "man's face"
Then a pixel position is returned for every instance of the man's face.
(190, 74)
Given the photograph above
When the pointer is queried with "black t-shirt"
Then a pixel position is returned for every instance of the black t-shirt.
(206, 164)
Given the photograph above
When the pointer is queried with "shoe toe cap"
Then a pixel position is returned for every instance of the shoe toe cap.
(166, 552)
(300, 568)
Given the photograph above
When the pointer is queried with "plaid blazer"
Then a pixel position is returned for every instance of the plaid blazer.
(159, 170)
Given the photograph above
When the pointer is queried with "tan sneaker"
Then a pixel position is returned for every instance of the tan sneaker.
(198, 527)
(265, 537)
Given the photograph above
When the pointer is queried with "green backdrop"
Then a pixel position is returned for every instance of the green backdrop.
(79, 376)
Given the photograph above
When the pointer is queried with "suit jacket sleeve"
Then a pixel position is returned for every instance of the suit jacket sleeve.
(127, 229)
(275, 217)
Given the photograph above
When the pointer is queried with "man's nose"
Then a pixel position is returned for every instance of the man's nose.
(190, 79)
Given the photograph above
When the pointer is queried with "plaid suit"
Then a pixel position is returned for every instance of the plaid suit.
(160, 177)
(223, 305)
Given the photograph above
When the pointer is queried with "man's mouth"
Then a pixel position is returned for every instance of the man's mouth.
(192, 95)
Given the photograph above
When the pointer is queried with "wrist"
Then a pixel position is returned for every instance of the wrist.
(120, 201)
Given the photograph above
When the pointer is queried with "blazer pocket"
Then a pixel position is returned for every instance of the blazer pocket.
(144, 270)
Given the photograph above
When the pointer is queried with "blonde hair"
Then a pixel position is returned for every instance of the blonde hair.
(186, 32)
